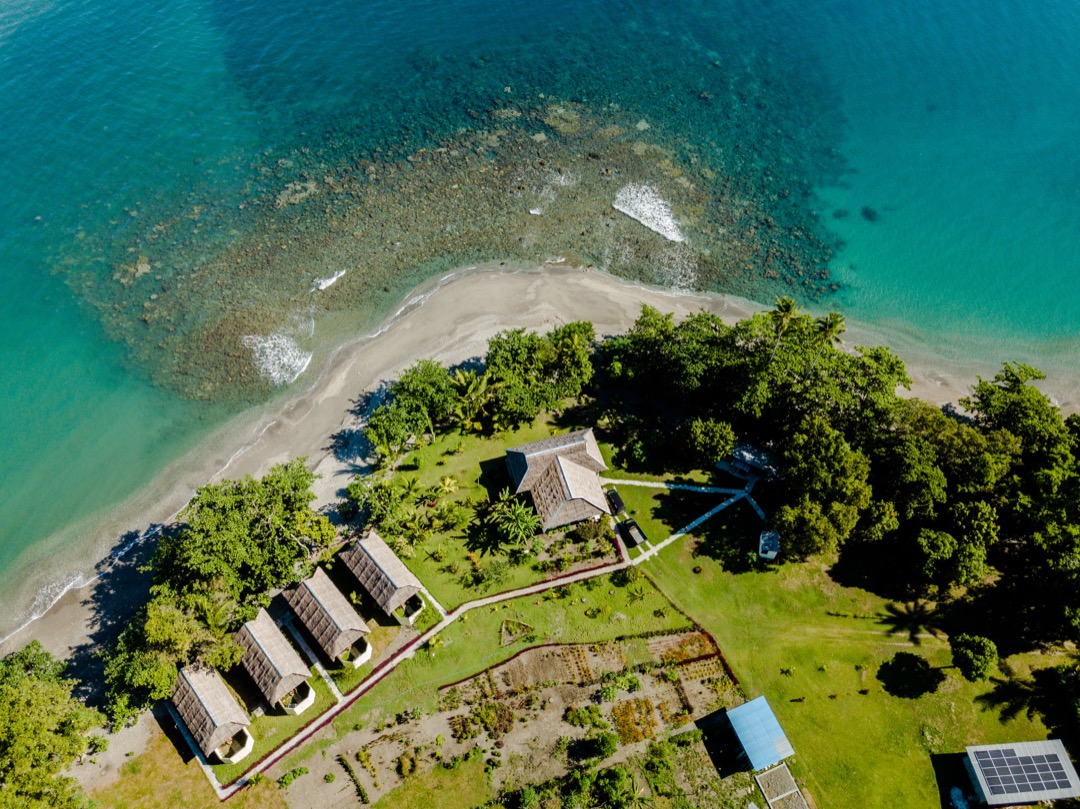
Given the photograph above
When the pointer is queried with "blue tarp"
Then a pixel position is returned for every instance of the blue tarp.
(760, 733)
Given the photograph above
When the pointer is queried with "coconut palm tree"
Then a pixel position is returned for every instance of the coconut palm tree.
(828, 330)
(782, 316)
(474, 392)
(411, 490)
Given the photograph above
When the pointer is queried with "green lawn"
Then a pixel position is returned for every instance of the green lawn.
(662, 512)
(852, 750)
(463, 787)
(273, 729)
(478, 465)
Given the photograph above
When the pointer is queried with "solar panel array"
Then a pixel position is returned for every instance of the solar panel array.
(1007, 773)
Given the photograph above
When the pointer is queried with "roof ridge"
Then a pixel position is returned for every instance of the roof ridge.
(263, 649)
(198, 696)
(322, 605)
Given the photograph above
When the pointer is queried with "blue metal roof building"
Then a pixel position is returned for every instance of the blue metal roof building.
(760, 733)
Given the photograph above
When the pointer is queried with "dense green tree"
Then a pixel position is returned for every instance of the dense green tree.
(917, 484)
(389, 429)
(43, 729)
(827, 331)
(827, 479)
(426, 390)
(1009, 402)
(640, 355)
(936, 552)
(807, 528)
(518, 362)
(474, 393)
(975, 656)
(614, 786)
(879, 521)
(244, 538)
(782, 316)
(709, 441)
(572, 367)
(531, 372)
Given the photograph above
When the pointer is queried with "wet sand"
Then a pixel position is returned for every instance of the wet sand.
(450, 320)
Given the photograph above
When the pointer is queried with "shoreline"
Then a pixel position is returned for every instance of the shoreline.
(450, 318)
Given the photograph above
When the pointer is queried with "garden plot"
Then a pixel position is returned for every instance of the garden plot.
(532, 717)
(681, 648)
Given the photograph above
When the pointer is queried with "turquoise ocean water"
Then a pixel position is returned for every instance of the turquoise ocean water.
(936, 143)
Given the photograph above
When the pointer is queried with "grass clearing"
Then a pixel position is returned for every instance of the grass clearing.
(160, 778)
(661, 512)
(853, 749)
(463, 787)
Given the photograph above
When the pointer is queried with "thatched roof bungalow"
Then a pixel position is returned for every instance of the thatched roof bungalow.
(385, 577)
(561, 473)
(211, 714)
(329, 617)
(274, 665)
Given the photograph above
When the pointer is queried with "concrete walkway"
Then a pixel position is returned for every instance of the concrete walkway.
(654, 484)
(447, 618)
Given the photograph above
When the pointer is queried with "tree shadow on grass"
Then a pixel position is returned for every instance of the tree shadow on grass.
(730, 537)
(494, 477)
(878, 567)
(909, 676)
(1052, 693)
(914, 619)
(1018, 612)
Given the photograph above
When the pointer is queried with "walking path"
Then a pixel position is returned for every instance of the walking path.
(656, 484)
(447, 618)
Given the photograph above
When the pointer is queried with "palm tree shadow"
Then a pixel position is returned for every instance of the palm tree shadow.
(915, 619)
(1051, 693)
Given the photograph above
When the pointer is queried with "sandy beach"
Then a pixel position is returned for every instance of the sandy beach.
(450, 320)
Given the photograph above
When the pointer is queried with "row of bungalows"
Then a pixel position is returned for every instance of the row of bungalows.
(208, 708)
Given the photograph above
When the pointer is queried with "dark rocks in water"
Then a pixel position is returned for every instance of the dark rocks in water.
(869, 214)
(840, 213)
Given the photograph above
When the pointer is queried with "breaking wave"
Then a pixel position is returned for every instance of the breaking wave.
(278, 357)
(644, 204)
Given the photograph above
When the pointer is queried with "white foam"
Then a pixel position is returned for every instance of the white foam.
(644, 204)
(677, 268)
(326, 283)
(277, 357)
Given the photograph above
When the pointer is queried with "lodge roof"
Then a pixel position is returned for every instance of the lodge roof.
(209, 710)
(380, 572)
(270, 659)
(326, 613)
